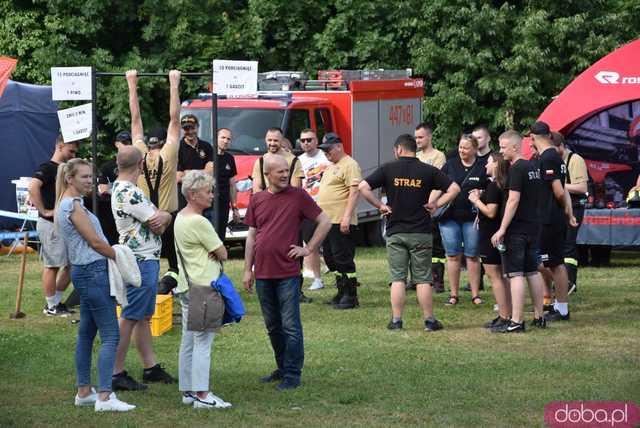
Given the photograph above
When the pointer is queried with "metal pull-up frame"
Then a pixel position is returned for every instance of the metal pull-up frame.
(214, 132)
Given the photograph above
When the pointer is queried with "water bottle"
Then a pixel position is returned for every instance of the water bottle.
(502, 248)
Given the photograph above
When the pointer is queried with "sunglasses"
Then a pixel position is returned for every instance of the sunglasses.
(306, 140)
(188, 127)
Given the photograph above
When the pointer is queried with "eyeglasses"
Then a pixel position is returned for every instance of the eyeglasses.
(306, 140)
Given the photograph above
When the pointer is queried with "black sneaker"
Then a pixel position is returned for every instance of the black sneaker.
(64, 309)
(539, 322)
(288, 383)
(432, 325)
(56, 311)
(495, 322)
(157, 374)
(547, 308)
(123, 382)
(274, 376)
(395, 325)
(514, 327)
(500, 325)
(554, 315)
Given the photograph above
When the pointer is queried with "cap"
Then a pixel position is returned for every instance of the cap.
(557, 139)
(157, 137)
(540, 128)
(188, 120)
(123, 137)
(329, 140)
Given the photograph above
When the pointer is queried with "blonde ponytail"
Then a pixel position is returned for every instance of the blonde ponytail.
(66, 171)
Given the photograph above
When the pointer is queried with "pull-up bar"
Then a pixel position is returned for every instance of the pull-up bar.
(214, 131)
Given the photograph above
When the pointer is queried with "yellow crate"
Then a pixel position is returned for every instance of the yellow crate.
(161, 325)
(162, 319)
(164, 305)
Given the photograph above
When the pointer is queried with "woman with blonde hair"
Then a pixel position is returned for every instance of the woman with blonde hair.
(88, 250)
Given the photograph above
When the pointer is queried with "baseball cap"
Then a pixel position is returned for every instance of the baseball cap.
(123, 137)
(540, 128)
(157, 137)
(329, 140)
(188, 120)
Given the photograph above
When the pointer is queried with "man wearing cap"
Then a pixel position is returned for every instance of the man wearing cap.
(555, 205)
(273, 140)
(159, 168)
(338, 197)
(42, 193)
(193, 153)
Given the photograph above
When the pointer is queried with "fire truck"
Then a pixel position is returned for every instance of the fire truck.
(368, 109)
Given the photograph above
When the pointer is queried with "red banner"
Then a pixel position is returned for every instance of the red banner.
(6, 67)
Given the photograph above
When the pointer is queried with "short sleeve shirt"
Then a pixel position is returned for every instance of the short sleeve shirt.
(492, 195)
(46, 173)
(408, 183)
(277, 218)
(168, 189)
(313, 167)
(524, 177)
(194, 157)
(576, 168)
(227, 172)
(196, 238)
(434, 158)
(551, 168)
(468, 178)
(79, 252)
(257, 175)
(131, 210)
(334, 188)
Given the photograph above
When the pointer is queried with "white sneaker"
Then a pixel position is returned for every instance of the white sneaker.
(113, 405)
(89, 400)
(306, 273)
(210, 402)
(316, 284)
(188, 398)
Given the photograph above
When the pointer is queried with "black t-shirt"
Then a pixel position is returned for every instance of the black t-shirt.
(408, 183)
(551, 168)
(476, 178)
(227, 172)
(524, 177)
(492, 195)
(108, 172)
(194, 157)
(46, 173)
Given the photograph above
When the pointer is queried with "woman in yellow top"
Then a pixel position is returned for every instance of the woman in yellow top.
(201, 251)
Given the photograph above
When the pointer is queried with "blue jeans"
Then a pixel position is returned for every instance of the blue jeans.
(97, 314)
(280, 303)
(455, 234)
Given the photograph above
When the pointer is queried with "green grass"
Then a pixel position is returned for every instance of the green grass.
(356, 372)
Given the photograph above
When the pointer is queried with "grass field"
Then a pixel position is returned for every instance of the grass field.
(357, 373)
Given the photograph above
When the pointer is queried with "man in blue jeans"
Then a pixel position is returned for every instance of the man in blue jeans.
(274, 216)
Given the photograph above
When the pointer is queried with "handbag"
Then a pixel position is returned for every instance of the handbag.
(206, 307)
(440, 212)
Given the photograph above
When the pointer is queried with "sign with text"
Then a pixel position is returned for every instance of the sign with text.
(235, 78)
(71, 83)
(75, 122)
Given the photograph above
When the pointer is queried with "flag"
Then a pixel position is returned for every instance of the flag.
(6, 67)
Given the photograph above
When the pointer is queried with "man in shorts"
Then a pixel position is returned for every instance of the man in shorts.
(408, 182)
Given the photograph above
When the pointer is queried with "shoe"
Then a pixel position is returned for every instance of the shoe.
(188, 398)
(500, 325)
(113, 405)
(167, 283)
(307, 274)
(513, 327)
(316, 284)
(476, 300)
(394, 325)
(573, 288)
(56, 311)
(547, 308)
(124, 382)
(89, 400)
(64, 309)
(539, 322)
(157, 374)
(340, 286)
(554, 315)
(274, 376)
(493, 322)
(211, 401)
(288, 383)
(453, 300)
(432, 325)
(349, 298)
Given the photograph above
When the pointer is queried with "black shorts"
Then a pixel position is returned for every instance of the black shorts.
(487, 252)
(520, 258)
(308, 228)
(551, 244)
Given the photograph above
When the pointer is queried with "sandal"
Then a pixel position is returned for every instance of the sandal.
(477, 300)
(453, 300)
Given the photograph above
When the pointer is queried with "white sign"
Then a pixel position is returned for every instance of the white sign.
(75, 122)
(235, 78)
(71, 83)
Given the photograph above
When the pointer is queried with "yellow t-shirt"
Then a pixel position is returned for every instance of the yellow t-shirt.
(297, 169)
(436, 158)
(334, 188)
(577, 168)
(168, 191)
(196, 238)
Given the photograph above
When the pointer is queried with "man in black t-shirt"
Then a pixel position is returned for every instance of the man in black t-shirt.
(193, 153)
(226, 182)
(555, 206)
(42, 194)
(408, 184)
(518, 232)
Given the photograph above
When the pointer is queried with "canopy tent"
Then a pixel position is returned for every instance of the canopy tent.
(29, 124)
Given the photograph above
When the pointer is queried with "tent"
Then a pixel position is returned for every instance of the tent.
(29, 126)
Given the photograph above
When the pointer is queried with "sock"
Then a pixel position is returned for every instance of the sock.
(51, 301)
(563, 308)
(58, 296)
(396, 319)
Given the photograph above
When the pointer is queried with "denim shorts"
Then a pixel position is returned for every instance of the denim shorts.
(142, 300)
(457, 237)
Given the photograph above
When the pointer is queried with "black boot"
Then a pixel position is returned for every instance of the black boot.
(349, 298)
(437, 271)
(303, 298)
(338, 296)
(572, 274)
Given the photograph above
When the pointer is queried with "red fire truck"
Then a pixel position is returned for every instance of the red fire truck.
(367, 108)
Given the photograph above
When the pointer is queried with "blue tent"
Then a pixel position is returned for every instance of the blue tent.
(28, 129)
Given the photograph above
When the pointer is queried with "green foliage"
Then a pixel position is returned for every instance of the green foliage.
(494, 62)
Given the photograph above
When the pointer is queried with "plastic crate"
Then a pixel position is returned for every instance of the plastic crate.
(164, 305)
(162, 319)
(161, 325)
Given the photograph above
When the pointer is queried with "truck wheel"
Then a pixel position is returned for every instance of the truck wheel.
(375, 232)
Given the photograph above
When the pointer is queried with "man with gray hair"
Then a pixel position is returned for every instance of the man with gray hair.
(139, 225)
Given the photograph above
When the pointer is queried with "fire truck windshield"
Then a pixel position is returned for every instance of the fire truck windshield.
(248, 126)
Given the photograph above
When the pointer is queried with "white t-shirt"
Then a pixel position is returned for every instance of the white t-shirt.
(313, 168)
(131, 209)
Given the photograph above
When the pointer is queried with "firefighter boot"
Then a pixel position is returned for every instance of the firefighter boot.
(572, 273)
(437, 271)
(338, 296)
(349, 298)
